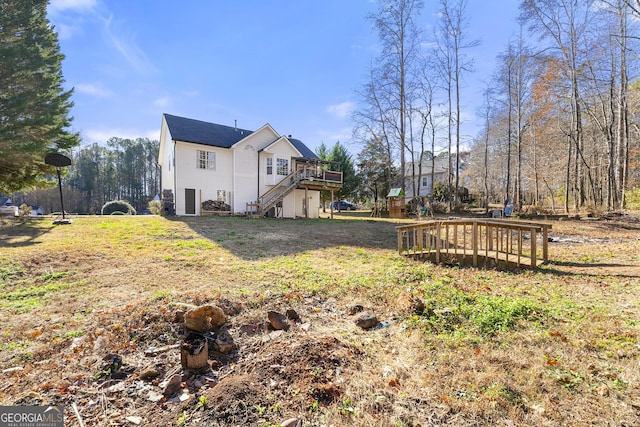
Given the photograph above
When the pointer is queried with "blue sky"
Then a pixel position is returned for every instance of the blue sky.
(295, 64)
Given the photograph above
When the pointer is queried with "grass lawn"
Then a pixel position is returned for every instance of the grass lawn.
(554, 346)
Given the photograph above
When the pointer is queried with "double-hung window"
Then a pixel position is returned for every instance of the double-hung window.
(282, 166)
(269, 165)
(205, 160)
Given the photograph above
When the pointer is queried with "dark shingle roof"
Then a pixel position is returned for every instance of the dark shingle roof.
(199, 132)
(303, 149)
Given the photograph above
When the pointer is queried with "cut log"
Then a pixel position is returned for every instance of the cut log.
(194, 352)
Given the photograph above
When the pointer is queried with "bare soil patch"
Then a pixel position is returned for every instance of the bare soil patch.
(91, 320)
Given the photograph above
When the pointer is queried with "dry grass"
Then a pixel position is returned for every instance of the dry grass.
(556, 346)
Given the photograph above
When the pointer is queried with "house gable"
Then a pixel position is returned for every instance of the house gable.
(246, 165)
(295, 144)
(280, 145)
(258, 139)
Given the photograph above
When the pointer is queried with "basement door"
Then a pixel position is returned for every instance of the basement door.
(190, 201)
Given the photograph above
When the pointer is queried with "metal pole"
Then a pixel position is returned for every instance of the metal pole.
(60, 188)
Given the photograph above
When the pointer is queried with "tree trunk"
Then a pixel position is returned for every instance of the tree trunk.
(567, 181)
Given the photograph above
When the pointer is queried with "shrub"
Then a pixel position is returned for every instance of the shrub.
(439, 207)
(632, 198)
(155, 207)
(24, 211)
(121, 206)
(595, 211)
(441, 192)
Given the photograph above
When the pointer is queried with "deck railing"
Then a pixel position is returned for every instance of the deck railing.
(487, 242)
(304, 174)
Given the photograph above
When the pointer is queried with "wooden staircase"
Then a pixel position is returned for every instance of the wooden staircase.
(277, 193)
(308, 174)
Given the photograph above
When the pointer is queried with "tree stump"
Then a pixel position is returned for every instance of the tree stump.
(194, 352)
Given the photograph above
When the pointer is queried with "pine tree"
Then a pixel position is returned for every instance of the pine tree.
(341, 158)
(34, 107)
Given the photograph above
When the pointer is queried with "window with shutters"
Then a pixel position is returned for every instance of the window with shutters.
(205, 159)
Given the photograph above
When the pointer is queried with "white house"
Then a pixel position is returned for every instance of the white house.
(259, 172)
(419, 177)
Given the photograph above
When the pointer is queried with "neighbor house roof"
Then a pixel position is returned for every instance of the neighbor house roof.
(199, 132)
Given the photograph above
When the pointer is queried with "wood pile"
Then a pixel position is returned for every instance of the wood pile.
(215, 205)
(168, 208)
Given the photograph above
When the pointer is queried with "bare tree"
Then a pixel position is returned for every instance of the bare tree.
(372, 123)
(452, 44)
(623, 107)
(564, 24)
(428, 122)
(399, 36)
(634, 5)
(487, 132)
(514, 81)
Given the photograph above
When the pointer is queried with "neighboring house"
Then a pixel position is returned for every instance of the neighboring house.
(251, 172)
(7, 208)
(36, 211)
(419, 177)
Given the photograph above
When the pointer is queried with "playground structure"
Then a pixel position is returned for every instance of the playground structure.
(488, 242)
(397, 203)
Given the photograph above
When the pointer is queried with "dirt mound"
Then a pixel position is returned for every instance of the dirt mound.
(314, 368)
(130, 358)
(235, 400)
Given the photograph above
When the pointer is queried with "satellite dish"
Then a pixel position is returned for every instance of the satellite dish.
(57, 160)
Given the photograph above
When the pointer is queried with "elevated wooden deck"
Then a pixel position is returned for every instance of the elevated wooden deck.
(490, 242)
(308, 174)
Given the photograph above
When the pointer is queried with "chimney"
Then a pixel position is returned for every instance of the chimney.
(235, 124)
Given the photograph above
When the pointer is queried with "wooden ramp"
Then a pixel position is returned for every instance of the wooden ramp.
(476, 242)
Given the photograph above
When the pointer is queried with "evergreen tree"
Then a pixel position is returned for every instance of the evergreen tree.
(375, 172)
(322, 151)
(342, 159)
(34, 107)
(124, 169)
(325, 195)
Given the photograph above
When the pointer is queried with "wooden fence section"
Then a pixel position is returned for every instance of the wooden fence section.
(481, 242)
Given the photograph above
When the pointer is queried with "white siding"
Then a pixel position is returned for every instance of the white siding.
(410, 184)
(282, 149)
(206, 182)
(165, 159)
(313, 202)
(245, 166)
(440, 174)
